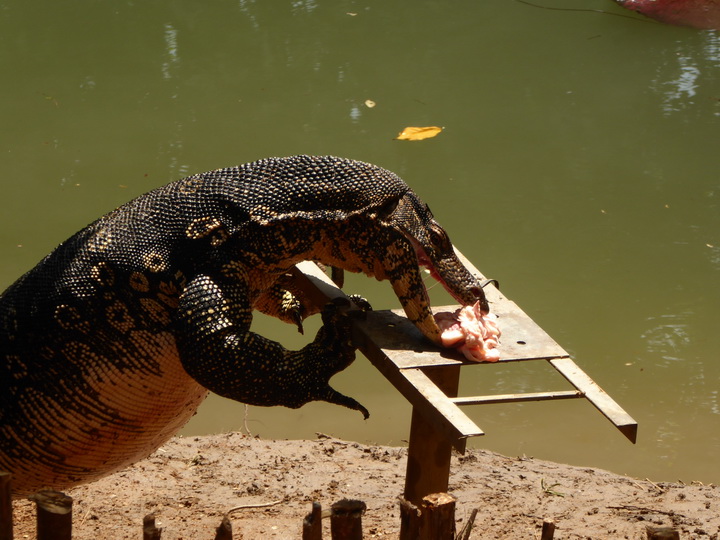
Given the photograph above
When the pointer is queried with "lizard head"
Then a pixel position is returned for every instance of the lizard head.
(411, 219)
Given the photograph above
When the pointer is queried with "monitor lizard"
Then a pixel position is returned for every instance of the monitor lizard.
(113, 340)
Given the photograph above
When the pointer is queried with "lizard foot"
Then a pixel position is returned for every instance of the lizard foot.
(331, 352)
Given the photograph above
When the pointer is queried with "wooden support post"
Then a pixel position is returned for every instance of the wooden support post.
(312, 524)
(150, 530)
(6, 523)
(54, 515)
(434, 519)
(346, 520)
(428, 470)
(224, 530)
(429, 452)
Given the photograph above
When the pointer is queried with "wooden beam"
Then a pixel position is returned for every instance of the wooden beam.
(516, 398)
(597, 396)
(433, 402)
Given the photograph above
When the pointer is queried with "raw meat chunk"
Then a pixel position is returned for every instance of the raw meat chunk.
(474, 333)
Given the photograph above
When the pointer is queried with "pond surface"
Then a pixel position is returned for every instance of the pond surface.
(578, 166)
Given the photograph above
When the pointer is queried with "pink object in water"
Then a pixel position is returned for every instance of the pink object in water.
(703, 14)
(472, 332)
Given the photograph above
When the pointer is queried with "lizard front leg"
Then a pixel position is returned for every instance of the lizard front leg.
(220, 352)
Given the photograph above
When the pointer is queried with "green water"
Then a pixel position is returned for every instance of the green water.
(579, 166)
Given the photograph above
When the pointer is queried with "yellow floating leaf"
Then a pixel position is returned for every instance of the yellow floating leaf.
(418, 133)
(369, 103)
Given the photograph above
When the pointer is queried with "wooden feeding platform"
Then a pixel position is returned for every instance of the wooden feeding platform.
(429, 376)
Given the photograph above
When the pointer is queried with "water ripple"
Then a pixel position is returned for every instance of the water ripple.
(669, 336)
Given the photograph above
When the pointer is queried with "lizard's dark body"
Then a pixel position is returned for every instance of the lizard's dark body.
(109, 345)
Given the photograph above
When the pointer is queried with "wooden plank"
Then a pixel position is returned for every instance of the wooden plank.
(517, 398)
(522, 336)
(597, 396)
(521, 339)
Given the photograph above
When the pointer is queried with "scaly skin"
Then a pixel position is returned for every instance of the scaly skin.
(112, 341)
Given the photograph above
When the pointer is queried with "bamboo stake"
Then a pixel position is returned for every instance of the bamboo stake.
(312, 524)
(224, 530)
(346, 520)
(548, 529)
(434, 519)
(54, 515)
(150, 530)
(661, 533)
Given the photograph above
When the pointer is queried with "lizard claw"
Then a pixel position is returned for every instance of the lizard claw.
(336, 398)
(292, 308)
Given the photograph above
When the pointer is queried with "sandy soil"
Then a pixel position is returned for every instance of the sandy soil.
(190, 483)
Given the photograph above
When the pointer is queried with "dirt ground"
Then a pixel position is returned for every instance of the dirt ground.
(190, 483)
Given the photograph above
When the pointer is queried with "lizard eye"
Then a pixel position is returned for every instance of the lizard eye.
(439, 238)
